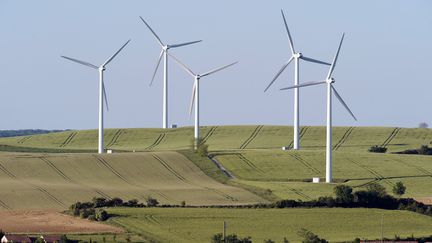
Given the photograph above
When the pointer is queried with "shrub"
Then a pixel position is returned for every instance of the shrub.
(377, 149)
(377, 189)
(101, 215)
(268, 241)
(343, 194)
(309, 237)
(399, 188)
(152, 202)
(424, 150)
(99, 202)
(233, 238)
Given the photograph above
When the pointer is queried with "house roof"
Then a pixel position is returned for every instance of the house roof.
(52, 238)
(17, 238)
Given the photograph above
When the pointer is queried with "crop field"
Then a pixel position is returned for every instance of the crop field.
(285, 172)
(348, 139)
(58, 180)
(335, 225)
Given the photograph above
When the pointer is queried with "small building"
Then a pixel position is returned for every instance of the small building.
(15, 239)
(51, 238)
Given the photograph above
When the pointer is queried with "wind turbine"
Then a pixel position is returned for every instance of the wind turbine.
(296, 56)
(102, 93)
(195, 92)
(330, 89)
(164, 53)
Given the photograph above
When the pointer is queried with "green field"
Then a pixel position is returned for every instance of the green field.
(58, 180)
(251, 153)
(336, 225)
(350, 139)
(162, 167)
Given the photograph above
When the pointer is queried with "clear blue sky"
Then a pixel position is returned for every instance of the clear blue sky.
(384, 70)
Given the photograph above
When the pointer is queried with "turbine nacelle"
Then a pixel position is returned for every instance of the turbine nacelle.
(101, 68)
(330, 80)
(298, 55)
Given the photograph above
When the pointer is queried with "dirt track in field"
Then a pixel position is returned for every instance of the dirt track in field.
(425, 200)
(49, 221)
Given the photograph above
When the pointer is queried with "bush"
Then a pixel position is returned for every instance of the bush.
(377, 189)
(101, 215)
(309, 237)
(399, 188)
(268, 241)
(424, 150)
(233, 238)
(152, 202)
(343, 194)
(377, 149)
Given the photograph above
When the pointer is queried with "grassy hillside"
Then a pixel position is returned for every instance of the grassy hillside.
(348, 139)
(335, 225)
(58, 180)
(253, 154)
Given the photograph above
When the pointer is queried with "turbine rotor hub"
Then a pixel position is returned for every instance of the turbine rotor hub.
(166, 47)
(101, 68)
(297, 55)
(330, 80)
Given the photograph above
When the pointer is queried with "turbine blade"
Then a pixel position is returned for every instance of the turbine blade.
(184, 44)
(105, 96)
(115, 54)
(157, 66)
(156, 36)
(304, 85)
(217, 69)
(81, 62)
(333, 65)
(314, 60)
(289, 35)
(343, 102)
(192, 99)
(182, 65)
(279, 73)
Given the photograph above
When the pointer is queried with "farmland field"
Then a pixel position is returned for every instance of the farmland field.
(350, 139)
(58, 180)
(335, 225)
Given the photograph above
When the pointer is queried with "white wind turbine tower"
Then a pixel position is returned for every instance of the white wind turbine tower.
(330, 89)
(296, 56)
(195, 92)
(102, 93)
(164, 53)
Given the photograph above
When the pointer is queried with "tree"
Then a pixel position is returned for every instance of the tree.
(101, 215)
(309, 237)
(399, 188)
(424, 150)
(423, 125)
(285, 240)
(377, 189)
(152, 202)
(268, 241)
(343, 193)
(64, 239)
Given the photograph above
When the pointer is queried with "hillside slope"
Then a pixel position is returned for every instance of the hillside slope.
(349, 139)
(58, 180)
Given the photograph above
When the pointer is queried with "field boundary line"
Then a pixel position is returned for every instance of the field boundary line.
(157, 141)
(344, 138)
(251, 137)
